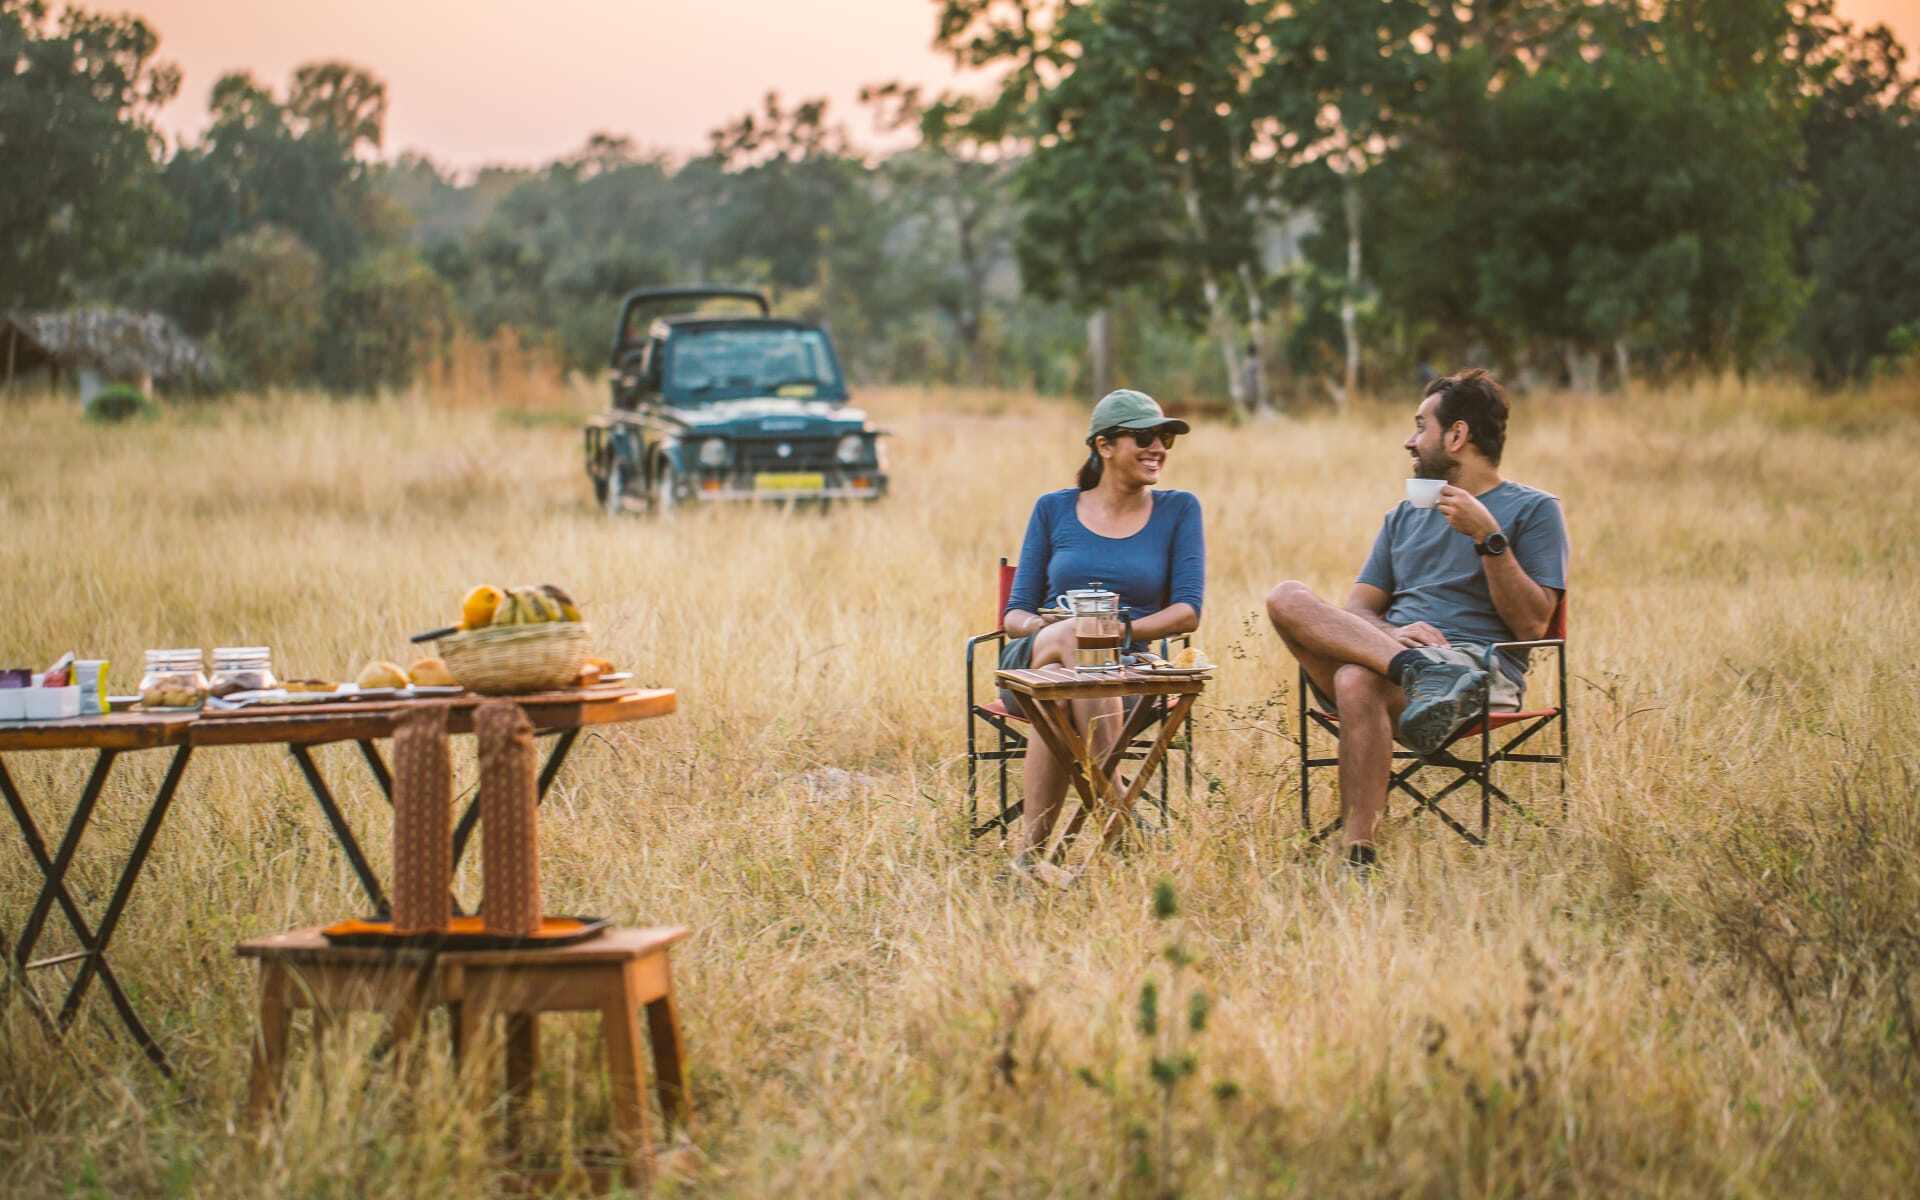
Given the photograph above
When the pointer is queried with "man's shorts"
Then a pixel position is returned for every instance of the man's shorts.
(1504, 692)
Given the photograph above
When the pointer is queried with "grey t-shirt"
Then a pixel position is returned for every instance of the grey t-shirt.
(1433, 574)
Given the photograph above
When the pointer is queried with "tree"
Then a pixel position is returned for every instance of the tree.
(341, 100)
(1144, 168)
(1340, 78)
(292, 165)
(274, 287)
(77, 101)
(1861, 248)
(950, 195)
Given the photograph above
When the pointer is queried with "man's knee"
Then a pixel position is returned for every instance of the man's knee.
(1287, 600)
(1357, 690)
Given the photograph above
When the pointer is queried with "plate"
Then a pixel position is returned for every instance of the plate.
(429, 689)
(617, 677)
(1175, 672)
(353, 691)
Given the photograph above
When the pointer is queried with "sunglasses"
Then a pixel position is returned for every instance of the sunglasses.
(1142, 438)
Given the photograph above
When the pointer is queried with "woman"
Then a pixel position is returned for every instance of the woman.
(1115, 529)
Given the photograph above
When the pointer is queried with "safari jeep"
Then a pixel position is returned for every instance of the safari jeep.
(710, 408)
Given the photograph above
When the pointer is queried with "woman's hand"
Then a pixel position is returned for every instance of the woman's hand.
(1021, 623)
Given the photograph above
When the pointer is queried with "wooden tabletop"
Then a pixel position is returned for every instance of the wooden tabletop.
(312, 724)
(1064, 683)
(311, 946)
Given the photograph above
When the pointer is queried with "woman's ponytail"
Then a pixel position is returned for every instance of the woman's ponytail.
(1090, 471)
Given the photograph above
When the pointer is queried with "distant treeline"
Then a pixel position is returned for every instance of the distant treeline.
(1272, 202)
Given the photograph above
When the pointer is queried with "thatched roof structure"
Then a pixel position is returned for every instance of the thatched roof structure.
(116, 342)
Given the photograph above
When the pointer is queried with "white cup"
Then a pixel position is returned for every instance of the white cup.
(1424, 493)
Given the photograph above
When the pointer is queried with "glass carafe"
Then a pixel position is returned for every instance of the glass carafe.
(1097, 629)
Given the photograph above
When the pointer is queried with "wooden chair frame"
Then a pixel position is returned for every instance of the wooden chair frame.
(1466, 770)
(1010, 738)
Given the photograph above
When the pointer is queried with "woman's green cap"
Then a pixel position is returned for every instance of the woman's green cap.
(1125, 408)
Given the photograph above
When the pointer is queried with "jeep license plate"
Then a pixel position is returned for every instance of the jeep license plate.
(789, 481)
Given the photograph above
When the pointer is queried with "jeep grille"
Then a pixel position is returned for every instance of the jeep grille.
(809, 454)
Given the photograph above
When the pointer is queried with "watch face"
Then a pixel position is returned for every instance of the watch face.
(1496, 543)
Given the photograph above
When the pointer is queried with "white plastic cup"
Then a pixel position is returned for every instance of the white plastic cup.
(1424, 493)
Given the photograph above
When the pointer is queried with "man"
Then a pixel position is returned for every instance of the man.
(1408, 655)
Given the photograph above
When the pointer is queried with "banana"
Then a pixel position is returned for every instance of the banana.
(569, 611)
(535, 607)
(509, 611)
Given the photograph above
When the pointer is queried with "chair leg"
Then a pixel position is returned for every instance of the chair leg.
(620, 1022)
(270, 1049)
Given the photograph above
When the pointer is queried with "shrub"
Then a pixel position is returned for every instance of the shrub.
(118, 402)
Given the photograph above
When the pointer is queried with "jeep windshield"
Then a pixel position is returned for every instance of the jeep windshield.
(732, 362)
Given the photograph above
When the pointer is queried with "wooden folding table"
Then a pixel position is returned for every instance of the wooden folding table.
(299, 728)
(1046, 695)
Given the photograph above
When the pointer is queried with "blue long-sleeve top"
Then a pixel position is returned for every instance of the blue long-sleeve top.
(1163, 564)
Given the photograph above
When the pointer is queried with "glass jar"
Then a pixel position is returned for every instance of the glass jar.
(241, 669)
(173, 679)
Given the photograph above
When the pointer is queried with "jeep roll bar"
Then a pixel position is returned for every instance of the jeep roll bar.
(689, 295)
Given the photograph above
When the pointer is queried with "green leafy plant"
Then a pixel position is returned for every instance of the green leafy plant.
(116, 403)
(1171, 1013)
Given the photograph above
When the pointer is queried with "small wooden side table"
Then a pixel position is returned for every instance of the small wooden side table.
(615, 975)
(1046, 695)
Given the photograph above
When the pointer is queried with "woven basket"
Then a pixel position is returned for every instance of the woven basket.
(516, 659)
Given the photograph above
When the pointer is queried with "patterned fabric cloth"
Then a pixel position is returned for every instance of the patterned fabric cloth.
(422, 823)
(509, 819)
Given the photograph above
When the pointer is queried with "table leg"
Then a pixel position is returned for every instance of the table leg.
(56, 884)
(341, 832)
(123, 890)
(1117, 810)
(669, 1059)
(63, 858)
(1053, 724)
(620, 1021)
(523, 1062)
(378, 766)
(270, 1050)
(556, 758)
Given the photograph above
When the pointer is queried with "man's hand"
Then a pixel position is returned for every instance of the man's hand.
(1464, 512)
(1419, 634)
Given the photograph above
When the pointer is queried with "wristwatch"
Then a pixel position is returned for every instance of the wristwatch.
(1495, 543)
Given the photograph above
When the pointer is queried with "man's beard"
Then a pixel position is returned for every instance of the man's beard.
(1435, 465)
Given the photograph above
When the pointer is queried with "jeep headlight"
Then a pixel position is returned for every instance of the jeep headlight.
(714, 452)
(852, 449)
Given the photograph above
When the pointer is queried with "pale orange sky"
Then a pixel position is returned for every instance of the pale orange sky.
(483, 81)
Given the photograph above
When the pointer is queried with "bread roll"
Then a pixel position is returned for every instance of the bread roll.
(431, 672)
(382, 675)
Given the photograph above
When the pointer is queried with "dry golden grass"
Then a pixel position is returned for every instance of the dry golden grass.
(1697, 984)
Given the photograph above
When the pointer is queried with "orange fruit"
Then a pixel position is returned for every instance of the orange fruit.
(476, 611)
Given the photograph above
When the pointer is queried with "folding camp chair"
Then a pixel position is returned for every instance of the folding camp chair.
(1010, 738)
(1466, 770)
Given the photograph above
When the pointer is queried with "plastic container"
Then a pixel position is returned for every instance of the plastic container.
(52, 704)
(173, 680)
(13, 704)
(241, 669)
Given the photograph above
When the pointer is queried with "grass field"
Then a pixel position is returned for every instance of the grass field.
(1701, 982)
